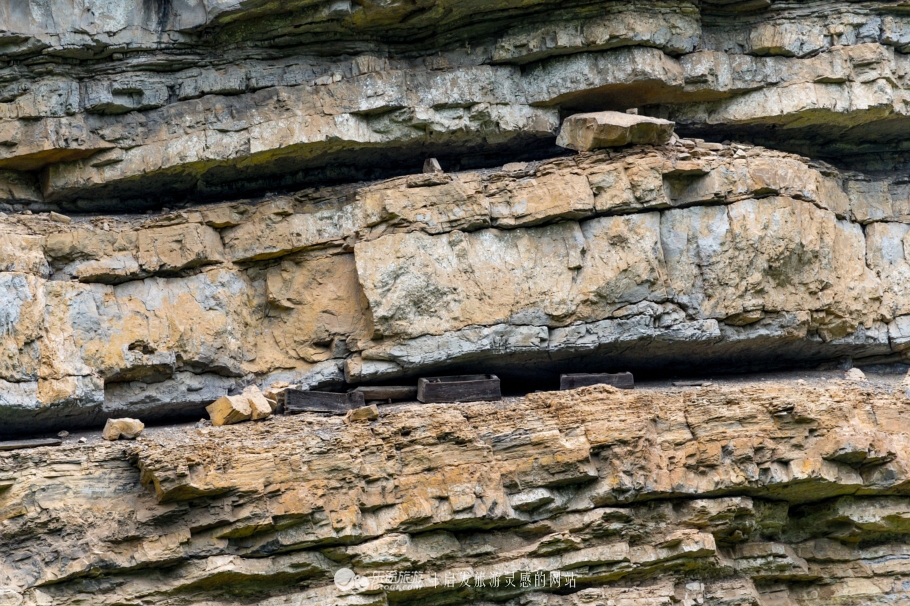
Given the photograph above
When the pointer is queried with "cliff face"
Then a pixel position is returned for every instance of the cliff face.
(201, 195)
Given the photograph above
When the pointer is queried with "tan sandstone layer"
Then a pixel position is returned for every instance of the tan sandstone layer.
(688, 258)
(755, 493)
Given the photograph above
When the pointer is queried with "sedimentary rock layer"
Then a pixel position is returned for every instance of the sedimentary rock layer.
(114, 108)
(761, 494)
(640, 258)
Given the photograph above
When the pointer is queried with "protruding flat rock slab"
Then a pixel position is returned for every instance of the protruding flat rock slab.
(621, 380)
(584, 132)
(462, 388)
(22, 444)
(297, 401)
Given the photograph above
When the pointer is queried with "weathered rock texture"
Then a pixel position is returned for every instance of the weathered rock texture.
(105, 105)
(684, 256)
(599, 130)
(765, 494)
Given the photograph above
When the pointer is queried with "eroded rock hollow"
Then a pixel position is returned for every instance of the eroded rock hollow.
(203, 197)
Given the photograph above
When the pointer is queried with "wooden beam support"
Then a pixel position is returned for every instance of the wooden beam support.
(389, 392)
(21, 444)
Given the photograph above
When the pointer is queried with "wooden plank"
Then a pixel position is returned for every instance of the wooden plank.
(622, 380)
(389, 392)
(462, 388)
(20, 444)
(297, 401)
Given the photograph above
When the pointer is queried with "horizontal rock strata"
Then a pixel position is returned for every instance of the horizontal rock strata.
(207, 203)
(637, 258)
(128, 108)
(761, 494)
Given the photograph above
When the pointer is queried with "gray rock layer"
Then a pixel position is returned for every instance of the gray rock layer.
(683, 257)
(106, 107)
(288, 236)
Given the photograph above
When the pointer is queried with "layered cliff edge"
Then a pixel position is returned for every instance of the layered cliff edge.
(105, 106)
(767, 493)
(291, 236)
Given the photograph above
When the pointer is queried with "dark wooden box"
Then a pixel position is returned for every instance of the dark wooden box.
(388, 392)
(622, 380)
(297, 401)
(463, 388)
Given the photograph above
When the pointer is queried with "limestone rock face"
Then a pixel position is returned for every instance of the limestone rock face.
(133, 108)
(584, 132)
(759, 493)
(684, 255)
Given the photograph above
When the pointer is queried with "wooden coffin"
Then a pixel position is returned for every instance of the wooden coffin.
(622, 380)
(462, 388)
(388, 392)
(20, 444)
(297, 401)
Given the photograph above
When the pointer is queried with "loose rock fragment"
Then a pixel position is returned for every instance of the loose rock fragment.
(126, 428)
(584, 132)
(259, 405)
(366, 413)
(228, 410)
(855, 374)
